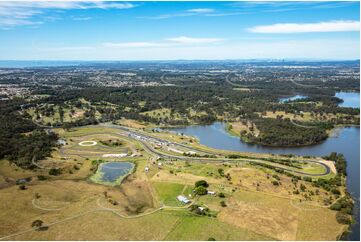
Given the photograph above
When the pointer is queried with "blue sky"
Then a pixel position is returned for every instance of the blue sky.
(178, 30)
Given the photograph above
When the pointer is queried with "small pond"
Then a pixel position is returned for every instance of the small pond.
(350, 99)
(290, 99)
(112, 173)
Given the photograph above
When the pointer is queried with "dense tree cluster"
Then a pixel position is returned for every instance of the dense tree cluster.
(277, 132)
(21, 141)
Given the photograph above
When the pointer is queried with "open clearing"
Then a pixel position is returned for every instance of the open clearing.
(144, 206)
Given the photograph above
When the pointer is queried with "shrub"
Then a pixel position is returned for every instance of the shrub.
(307, 178)
(223, 203)
(276, 183)
(335, 191)
(54, 172)
(276, 177)
(221, 194)
(343, 218)
(42, 178)
(22, 187)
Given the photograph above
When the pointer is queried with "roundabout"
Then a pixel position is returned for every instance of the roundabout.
(87, 143)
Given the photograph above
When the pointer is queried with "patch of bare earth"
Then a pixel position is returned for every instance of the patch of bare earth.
(137, 195)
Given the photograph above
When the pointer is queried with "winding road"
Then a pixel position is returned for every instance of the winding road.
(157, 153)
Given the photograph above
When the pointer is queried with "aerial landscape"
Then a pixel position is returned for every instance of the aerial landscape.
(157, 121)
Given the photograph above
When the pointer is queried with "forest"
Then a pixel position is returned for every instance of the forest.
(21, 141)
(192, 96)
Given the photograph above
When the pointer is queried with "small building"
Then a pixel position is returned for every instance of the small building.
(211, 193)
(121, 155)
(61, 142)
(183, 199)
(190, 153)
(201, 209)
(146, 169)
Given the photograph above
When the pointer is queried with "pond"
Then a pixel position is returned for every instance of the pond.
(293, 98)
(112, 173)
(350, 99)
(346, 140)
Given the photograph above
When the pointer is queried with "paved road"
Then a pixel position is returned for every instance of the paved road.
(155, 152)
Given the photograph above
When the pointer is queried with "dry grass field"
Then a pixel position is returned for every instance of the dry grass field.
(74, 208)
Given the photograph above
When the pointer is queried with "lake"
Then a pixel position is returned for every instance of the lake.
(293, 98)
(112, 173)
(346, 140)
(350, 99)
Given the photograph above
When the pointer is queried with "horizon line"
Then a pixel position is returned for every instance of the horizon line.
(160, 60)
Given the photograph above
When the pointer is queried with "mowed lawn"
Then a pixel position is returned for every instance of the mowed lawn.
(167, 192)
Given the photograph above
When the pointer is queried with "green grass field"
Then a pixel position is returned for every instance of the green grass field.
(168, 192)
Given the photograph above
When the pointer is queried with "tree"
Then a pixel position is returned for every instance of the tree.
(223, 203)
(37, 224)
(302, 187)
(200, 190)
(202, 183)
(221, 194)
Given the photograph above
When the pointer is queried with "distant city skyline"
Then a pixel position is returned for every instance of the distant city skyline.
(123, 31)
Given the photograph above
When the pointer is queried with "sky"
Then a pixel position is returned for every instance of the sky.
(83, 30)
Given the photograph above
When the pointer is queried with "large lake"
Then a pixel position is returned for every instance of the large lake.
(350, 99)
(345, 140)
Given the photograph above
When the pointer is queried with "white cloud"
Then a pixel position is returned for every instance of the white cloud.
(200, 10)
(186, 13)
(81, 18)
(250, 49)
(66, 4)
(169, 42)
(28, 12)
(285, 28)
(131, 45)
(190, 40)
(225, 14)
